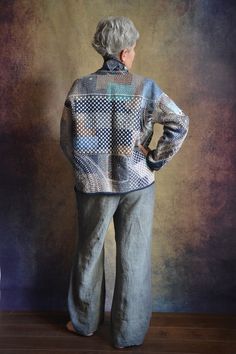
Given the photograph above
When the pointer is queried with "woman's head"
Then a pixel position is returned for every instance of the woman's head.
(116, 36)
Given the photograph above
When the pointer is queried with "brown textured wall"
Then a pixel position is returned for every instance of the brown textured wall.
(187, 47)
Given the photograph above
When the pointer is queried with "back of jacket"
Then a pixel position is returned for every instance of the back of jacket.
(107, 115)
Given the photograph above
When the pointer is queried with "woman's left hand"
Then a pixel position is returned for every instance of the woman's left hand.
(144, 150)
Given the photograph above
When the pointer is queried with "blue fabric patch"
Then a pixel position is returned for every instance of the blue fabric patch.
(85, 143)
(151, 89)
(121, 92)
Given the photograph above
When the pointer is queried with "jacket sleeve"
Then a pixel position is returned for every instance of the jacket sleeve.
(175, 130)
(66, 137)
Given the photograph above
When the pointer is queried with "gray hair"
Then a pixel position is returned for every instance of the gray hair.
(113, 34)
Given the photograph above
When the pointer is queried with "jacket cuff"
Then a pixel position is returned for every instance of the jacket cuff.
(152, 164)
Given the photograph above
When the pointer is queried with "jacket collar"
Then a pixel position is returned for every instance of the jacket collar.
(111, 63)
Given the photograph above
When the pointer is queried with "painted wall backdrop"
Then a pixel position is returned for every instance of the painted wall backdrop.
(187, 47)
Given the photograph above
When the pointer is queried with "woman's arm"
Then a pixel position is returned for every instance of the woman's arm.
(66, 133)
(176, 125)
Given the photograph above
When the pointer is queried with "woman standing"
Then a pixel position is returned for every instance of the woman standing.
(106, 128)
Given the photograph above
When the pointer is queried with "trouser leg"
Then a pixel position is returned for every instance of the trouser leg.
(132, 300)
(86, 295)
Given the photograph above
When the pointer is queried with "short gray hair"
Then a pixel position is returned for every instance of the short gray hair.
(113, 34)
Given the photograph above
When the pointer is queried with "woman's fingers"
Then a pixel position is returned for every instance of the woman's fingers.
(144, 150)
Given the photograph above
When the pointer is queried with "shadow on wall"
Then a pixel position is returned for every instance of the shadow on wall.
(36, 192)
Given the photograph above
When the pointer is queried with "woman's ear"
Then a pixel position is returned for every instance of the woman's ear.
(123, 55)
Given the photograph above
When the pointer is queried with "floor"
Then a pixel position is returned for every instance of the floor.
(175, 333)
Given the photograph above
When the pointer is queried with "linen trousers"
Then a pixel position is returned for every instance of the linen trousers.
(131, 309)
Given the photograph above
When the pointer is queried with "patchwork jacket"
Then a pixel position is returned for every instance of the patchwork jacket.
(107, 115)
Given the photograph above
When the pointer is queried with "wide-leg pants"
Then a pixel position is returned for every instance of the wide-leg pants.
(131, 309)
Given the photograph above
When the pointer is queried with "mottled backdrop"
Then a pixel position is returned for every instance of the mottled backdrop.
(187, 47)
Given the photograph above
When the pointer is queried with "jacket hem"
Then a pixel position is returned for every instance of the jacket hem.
(111, 193)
